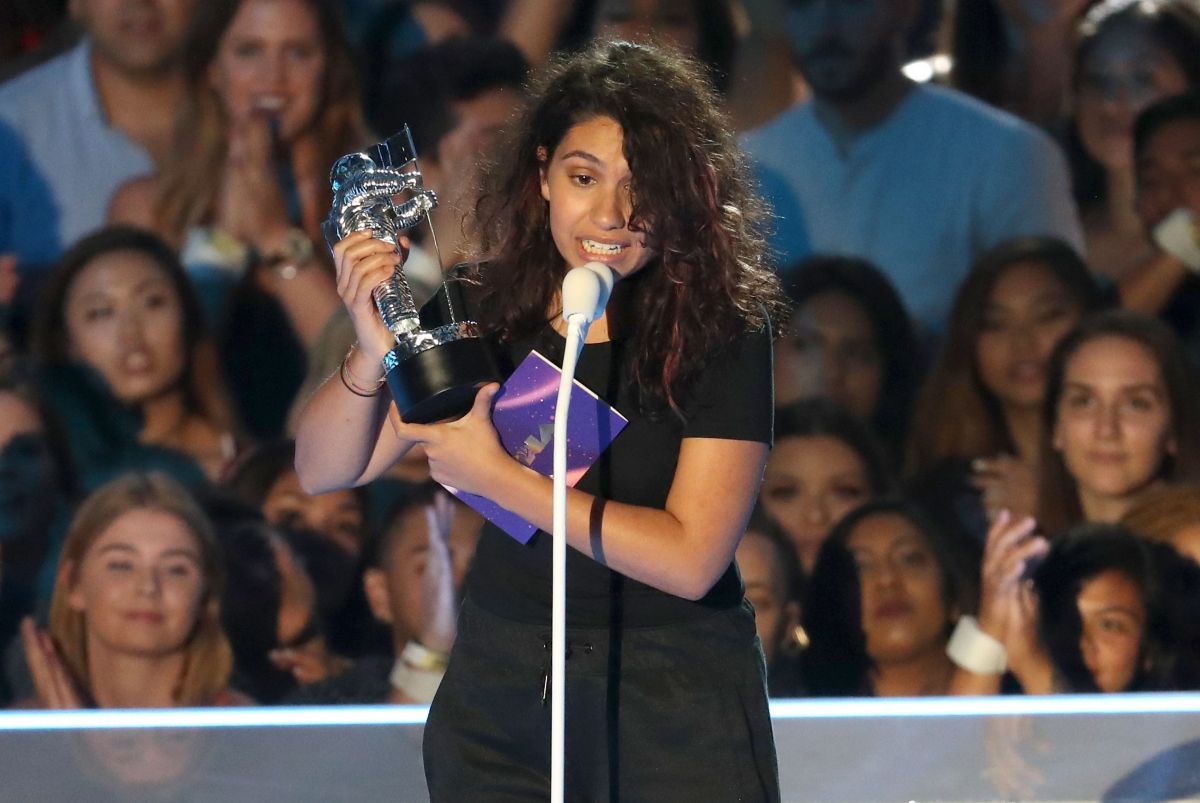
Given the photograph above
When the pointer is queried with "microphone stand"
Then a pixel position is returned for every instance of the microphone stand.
(585, 293)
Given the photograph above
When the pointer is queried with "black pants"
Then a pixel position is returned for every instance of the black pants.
(656, 714)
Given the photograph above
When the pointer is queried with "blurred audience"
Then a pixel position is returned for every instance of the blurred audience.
(121, 335)
(849, 340)
(414, 571)
(824, 464)
(266, 478)
(79, 125)
(1130, 54)
(767, 564)
(976, 440)
(1166, 145)
(1120, 418)
(1170, 514)
(883, 598)
(917, 179)
(135, 619)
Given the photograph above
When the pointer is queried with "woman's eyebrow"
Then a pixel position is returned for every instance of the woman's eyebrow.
(582, 155)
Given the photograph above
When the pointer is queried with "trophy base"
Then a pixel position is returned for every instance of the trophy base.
(441, 382)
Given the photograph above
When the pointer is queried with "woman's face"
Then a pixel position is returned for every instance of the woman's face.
(1114, 621)
(672, 22)
(1113, 423)
(337, 515)
(1025, 316)
(1125, 72)
(587, 184)
(809, 484)
(904, 611)
(271, 62)
(124, 319)
(774, 614)
(832, 353)
(140, 584)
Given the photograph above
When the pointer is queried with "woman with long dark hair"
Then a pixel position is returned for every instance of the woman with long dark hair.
(619, 158)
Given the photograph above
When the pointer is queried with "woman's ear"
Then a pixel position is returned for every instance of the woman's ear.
(375, 587)
(543, 165)
(67, 579)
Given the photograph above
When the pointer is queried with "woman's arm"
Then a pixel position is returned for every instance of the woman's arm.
(341, 437)
(682, 549)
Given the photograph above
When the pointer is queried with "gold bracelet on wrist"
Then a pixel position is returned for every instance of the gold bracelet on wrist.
(351, 382)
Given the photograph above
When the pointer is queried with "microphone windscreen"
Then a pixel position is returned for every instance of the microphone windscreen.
(586, 290)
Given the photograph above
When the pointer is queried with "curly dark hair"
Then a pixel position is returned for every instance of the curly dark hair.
(710, 280)
(1166, 581)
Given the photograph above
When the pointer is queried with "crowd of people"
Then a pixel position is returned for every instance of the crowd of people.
(985, 471)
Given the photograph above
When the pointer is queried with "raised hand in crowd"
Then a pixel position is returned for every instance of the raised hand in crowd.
(439, 596)
(1008, 607)
(53, 683)
(1007, 484)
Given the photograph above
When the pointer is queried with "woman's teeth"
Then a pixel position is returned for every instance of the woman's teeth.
(606, 249)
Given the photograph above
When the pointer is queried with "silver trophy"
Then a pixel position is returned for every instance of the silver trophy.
(432, 374)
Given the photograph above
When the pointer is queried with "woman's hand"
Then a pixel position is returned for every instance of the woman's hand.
(439, 600)
(55, 688)
(465, 454)
(310, 662)
(362, 264)
(250, 203)
(1010, 545)
(1006, 483)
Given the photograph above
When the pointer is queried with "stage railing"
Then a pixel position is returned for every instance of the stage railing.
(1119, 747)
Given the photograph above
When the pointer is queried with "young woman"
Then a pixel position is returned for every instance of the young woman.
(619, 158)
(135, 618)
(886, 591)
(120, 304)
(1130, 54)
(1119, 418)
(977, 431)
(1096, 609)
(850, 340)
(825, 463)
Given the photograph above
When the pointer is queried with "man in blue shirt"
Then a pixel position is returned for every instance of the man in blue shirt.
(76, 127)
(917, 179)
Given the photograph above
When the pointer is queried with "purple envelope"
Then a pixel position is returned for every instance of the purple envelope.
(523, 413)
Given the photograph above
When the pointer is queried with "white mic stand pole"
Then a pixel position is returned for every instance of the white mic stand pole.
(585, 292)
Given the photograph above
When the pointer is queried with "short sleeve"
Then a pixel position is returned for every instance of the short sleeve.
(734, 397)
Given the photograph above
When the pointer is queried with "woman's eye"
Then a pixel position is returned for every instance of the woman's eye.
(1078, 401)
(156, 300)
(781, 493)
(119, 565)
(1141, 404)
(97, 314)
(180, 570)
(851, 492)
(914, 559)
(247, 50)
(583, 180)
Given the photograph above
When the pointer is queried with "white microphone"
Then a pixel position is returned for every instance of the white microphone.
(585, 292)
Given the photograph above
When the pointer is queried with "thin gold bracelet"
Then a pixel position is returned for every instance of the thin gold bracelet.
(351, 382)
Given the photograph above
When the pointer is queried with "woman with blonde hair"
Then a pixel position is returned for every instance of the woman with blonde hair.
(135, 615)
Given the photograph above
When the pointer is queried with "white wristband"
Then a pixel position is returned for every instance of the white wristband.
(419, 685)
(974, 650)
(1179, 237)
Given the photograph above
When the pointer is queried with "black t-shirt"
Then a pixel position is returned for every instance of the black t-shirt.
(731, 399)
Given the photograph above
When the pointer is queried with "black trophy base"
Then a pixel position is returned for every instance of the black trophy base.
(441, 382)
